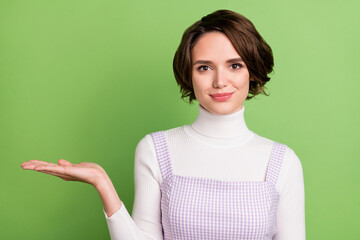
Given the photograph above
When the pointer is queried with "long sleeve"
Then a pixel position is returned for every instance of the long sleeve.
(290, 217)
(145, 222)
(209, 150)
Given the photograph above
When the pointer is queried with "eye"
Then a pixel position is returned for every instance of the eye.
(203, 68)
(236, 66)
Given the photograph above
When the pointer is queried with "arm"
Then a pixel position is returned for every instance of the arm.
(290, 217)
(147, 221)
(146, 215)
(108, 195)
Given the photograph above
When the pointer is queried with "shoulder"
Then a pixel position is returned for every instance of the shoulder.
(146, 145)
(289, 153)
(147, 140)
(291, 171)
(170, 131)
(145, 162)
(145, 154)
(169, 135)
(290, 168)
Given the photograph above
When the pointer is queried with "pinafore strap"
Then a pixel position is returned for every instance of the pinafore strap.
(275, 161)
(162, 153)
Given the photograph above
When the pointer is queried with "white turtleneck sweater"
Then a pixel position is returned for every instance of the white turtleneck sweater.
(213, 146)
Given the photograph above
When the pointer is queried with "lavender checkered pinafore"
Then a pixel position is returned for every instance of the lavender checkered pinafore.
(202, 208)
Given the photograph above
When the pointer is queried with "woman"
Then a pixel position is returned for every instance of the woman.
(214, 178)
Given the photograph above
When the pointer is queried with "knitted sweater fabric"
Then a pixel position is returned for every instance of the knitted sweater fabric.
(217, 147)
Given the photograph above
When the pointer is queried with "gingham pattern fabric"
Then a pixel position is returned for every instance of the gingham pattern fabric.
(203, 208)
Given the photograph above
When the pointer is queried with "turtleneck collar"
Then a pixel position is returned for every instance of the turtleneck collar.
(228, 129)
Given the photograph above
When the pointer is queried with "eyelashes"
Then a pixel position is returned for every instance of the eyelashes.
(203, 68)
(238, 65)
(234, 66)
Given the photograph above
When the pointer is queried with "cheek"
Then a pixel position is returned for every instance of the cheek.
(244, 88)
(242, 82)
(197, 91)
(200, 85)
(245, 84)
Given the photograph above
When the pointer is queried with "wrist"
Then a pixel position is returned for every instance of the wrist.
(108, 195)
(101, 180)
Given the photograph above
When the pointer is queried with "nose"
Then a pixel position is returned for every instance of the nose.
(219, 79)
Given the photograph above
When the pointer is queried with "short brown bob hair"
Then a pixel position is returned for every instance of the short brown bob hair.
(249, 44)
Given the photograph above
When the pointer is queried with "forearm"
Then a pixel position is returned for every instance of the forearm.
(108, 195)
(146, 220)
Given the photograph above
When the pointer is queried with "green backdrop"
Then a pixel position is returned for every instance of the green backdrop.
(85, 80)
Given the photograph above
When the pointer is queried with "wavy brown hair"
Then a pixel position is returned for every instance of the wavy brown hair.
(247, 41)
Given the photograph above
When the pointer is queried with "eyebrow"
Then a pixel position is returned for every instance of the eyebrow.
(228, 61)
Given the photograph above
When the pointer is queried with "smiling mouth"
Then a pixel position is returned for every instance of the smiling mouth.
(221, 97)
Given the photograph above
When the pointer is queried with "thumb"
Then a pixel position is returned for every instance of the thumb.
(63, 162)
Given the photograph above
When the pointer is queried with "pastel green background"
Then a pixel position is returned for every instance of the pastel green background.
(85, 80)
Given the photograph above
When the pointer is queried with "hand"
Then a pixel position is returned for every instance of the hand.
(86, 172)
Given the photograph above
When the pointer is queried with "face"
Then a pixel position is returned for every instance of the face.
(220, 77)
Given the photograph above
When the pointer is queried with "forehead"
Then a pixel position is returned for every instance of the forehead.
(213, 46)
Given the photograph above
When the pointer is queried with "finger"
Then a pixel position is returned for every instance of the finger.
(25, 163)
(38, 161)
(28, 166)
(32, 165)
(42, 162)
(56, 168)
(63, 162)
(64, 177)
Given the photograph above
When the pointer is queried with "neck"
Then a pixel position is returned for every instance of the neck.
(227, 129)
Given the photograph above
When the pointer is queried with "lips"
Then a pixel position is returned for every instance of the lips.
(221, 97)
(220, 94)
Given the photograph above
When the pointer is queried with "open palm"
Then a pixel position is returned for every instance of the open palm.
(83, 172)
